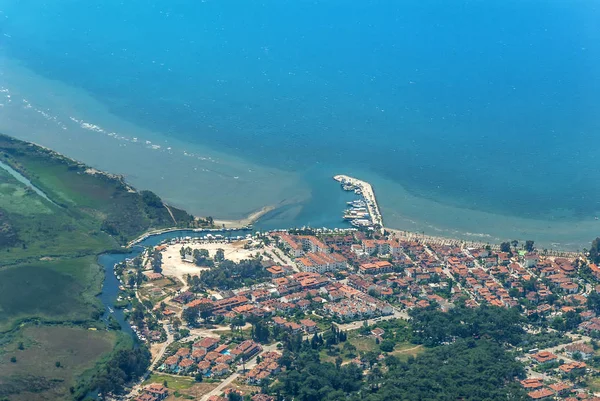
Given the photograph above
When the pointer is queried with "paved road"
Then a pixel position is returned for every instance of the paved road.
(249, 365)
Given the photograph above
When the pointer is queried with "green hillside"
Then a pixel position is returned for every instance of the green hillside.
(49, 242)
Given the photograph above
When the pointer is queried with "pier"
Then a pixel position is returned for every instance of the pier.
(368, 195)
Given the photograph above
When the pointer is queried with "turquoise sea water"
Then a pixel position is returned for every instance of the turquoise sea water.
(471, 118)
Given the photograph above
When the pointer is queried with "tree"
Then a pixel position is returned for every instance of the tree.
(13, 359)
(387, 346)
(190, 315)
(514, 243)
(234, 396)
(529, 245)
(220, 255)
(157, 262)
(505, 247)
(595, 251)
(57, 364)
(206, 311)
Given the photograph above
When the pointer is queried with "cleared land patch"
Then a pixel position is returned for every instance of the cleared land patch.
(35, 375)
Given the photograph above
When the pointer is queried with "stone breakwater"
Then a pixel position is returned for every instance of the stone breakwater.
(368, 194)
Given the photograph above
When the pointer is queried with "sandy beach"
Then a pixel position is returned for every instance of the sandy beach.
(250, 219)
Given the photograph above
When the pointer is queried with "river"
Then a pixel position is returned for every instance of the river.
(22, 179)
(110, 287)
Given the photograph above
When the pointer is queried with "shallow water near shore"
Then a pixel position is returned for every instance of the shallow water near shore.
(462, 116)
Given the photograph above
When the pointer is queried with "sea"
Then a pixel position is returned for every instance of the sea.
(472, 119)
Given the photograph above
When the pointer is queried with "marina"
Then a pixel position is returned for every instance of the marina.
(363, 212)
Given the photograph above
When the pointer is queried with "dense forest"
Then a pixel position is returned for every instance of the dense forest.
(433, 327)
(466, 370)
(124, 365)
(466, 361)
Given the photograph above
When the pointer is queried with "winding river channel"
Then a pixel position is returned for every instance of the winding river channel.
(110, 287)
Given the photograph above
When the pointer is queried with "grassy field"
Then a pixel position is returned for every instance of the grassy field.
(181, 387)
(48, 269)
(403, 349)
(34, 227)
(593, 384)
(173, 382)
(35, 375)
(57, 290)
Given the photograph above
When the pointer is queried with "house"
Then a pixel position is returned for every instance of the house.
(212, 356)
(220, 370)
(184, 297)
(378, 332)
(290, 245)
(543, 357)
(584, 350)
(153, 276)
(277, 271)
(183, 352)
(171, 362)
(543, 394)
(204, 367)
(531, 260)
(568, 367)
(221, 348)
(186, 365)
(560, 388)
(532, 384)
(207, 344)
(293, 327)
(228, 359)
(308, 325)
(198, 354)
(159, 391)
(146, 397)
(312, 244)
(321, 262)
(246, 349)
(569, 288)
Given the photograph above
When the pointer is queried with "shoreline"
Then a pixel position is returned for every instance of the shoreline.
(377, 219)
(241, 224)
(248, 220)
(218, 225)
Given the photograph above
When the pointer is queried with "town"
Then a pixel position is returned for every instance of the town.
(226, 319)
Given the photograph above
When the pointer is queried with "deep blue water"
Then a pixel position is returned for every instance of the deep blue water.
(490, 105)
